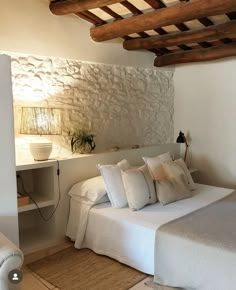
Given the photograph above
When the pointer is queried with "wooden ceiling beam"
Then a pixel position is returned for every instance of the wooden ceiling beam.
(184, 11)
(143, 34)
(75, 6)
(197, 55)
(180, 38)
(232, 15)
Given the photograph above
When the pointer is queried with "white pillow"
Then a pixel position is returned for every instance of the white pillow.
(169, 191)
(155, 167)
(114, 185)
(123, 164)
(183, 165)
(178, 167)
(139, 187)
(92, 190)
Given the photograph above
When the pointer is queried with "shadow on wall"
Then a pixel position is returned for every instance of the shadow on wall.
(213, 175)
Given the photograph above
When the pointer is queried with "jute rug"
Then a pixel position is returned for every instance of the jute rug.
(73, 269)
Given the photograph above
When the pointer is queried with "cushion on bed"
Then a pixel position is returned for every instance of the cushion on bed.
(123, 164)
(191, 183)
(92, 189)
(171, 190)
(155, 167)
(114, 183)
(139, 187)
(176, 168)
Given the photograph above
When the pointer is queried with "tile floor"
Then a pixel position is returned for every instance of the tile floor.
(142, 286)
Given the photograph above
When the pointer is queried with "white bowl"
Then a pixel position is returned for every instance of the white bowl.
(40, 151)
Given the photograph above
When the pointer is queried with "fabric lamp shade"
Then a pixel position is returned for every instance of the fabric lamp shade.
(40, 121)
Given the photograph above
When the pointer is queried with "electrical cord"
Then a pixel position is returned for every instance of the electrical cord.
(46, 219)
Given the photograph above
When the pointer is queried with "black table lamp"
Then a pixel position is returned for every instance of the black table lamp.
(182, 139)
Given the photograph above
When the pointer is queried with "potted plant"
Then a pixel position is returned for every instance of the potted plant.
(82, 141)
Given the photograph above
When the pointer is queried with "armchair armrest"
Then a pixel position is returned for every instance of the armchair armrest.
(10, 258)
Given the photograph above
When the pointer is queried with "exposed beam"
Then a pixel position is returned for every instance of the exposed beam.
(75, 6)
(198, 55)
(178, 13)
(179, 38)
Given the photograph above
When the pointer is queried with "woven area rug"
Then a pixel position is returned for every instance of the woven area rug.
(73, 269)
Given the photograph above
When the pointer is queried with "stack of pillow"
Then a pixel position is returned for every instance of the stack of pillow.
(160, 178)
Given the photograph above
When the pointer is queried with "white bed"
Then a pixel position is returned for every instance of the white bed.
(129, 236)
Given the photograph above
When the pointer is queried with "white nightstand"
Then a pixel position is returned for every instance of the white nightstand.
(40, 180)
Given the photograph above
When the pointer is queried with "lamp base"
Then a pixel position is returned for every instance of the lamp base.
(41, 151)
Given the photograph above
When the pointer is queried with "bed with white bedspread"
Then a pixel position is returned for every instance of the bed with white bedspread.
(129, 236)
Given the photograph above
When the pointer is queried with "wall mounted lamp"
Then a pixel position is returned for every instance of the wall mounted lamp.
(182, 139)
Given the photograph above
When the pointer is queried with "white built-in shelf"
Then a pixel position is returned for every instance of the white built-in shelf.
(39, 179)
(32, 206)
(27, 165)
(36, 239)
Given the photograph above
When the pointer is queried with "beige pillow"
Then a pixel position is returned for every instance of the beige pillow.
(139, 187)
(183, 165)
(171, 190)
(173, 169)
(155, 167)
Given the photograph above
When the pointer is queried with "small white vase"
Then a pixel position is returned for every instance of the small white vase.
(41, 151)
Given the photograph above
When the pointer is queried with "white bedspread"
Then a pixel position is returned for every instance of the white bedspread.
(198, 251)
(78, 220)
(128, 236)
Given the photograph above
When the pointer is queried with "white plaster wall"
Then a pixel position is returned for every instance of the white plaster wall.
(122, 105)
(8, 193)
(28, 26)
(205, 106)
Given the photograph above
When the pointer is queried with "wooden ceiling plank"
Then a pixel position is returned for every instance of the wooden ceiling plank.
(131, 8)
(143, 34)
(197, 55)
(182, 38)
(155, 4)
(111, 12)
(90, 17)
(74, 6)
(136, 11)
(178, 13)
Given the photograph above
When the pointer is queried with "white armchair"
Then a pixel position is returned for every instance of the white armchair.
(10, 258)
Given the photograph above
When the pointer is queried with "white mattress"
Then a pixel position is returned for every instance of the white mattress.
(129, 236)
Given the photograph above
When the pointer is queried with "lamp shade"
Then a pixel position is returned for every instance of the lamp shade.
(40, 121)
(181, 138)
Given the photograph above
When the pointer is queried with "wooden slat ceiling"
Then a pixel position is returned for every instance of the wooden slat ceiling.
(214, 35)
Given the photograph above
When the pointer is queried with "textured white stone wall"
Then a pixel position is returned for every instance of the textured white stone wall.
(122, 105)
